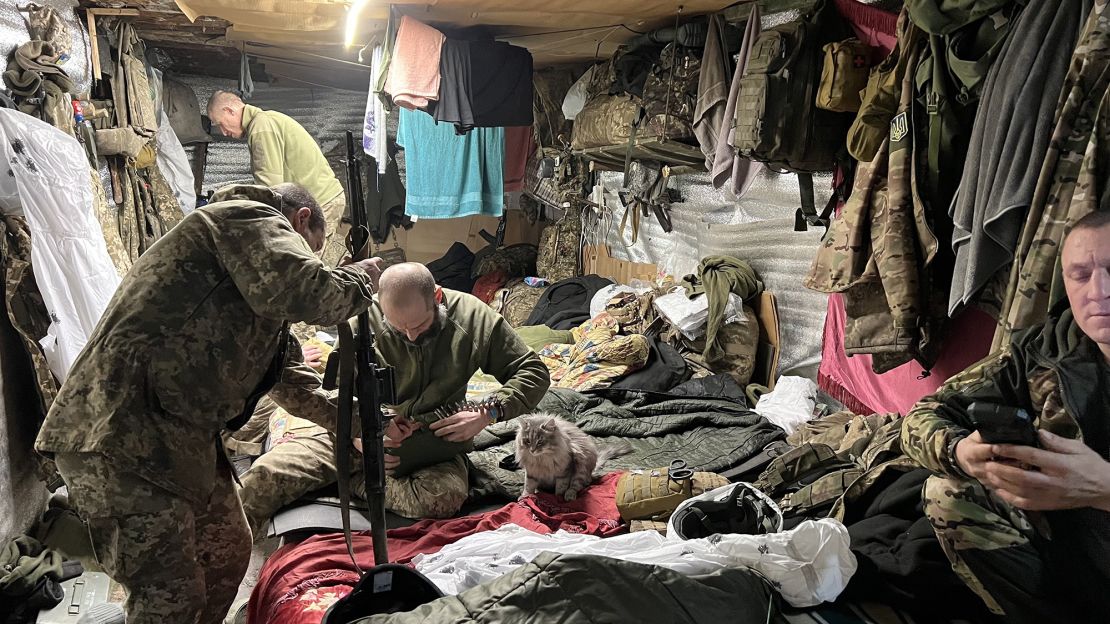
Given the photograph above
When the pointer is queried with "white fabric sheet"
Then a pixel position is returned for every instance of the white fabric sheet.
(812, 562)
(48, 174)
(173, 162)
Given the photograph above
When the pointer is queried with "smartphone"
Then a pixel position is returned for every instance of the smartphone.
(1003, 424)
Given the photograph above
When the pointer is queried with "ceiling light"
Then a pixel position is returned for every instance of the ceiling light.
(353, 12)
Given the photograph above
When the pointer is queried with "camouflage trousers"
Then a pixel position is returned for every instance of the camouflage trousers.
(971, 523)
(335, 246)
(303, 460)
(180, 561)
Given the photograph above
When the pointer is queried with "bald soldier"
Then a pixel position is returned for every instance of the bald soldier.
(435, 339)
(195, 333)
(283, 151)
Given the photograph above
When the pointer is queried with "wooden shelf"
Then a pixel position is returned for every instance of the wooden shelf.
(680, 157)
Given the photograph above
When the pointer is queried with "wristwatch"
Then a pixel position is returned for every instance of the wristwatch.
(493, 411)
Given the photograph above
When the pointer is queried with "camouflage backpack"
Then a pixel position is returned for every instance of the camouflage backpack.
(515, 260)
(559, 248)
(516, 301)
(807, 480)
(671, 94)
(740, 342)
(777, 118)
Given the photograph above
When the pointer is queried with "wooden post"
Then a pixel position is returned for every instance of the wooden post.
(94, 46)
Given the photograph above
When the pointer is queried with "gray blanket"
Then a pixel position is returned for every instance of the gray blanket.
(1009, 140)
(710, 431)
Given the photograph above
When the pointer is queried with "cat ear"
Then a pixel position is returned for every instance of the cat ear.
(549, 425)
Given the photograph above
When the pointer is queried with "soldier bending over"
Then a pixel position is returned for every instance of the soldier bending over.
(180, 354)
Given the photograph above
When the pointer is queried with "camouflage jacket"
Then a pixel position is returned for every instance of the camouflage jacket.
(435, 372)
(188, 336)
(880, 251)
(1050, 370)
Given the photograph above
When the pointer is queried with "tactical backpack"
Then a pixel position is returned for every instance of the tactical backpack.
(671, 94)
(777, 118)
(560, 248)
(516, 300)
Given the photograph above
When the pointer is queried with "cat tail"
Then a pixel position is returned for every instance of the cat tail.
(613, 451)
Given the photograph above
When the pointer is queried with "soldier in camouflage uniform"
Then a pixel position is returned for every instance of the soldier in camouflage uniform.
(180, 351)
(435, 339)
(1028, 529)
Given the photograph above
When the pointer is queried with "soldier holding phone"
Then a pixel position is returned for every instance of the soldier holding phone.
(1020, 443)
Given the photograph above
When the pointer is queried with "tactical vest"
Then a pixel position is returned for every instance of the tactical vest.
(807, 480)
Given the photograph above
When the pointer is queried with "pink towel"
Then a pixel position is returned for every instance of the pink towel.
(414, 69)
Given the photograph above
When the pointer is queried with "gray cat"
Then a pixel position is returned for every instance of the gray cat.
(556, 454)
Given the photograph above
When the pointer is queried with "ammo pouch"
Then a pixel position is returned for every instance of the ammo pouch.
(654, 495)
(844, 75)
(120, 142)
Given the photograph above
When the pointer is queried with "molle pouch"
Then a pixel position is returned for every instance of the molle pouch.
(844, 75)
(653, 494)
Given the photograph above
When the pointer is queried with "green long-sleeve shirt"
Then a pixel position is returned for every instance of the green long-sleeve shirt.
(283, 151)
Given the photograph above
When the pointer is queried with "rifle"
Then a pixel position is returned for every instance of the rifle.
(359, 374)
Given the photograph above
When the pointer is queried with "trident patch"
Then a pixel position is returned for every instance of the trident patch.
(899, 127)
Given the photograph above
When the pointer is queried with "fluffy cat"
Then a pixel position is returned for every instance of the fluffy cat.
(556, 454)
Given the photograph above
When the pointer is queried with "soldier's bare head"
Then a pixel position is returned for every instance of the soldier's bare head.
(303, 212)
(1085, 259)
(407, 294)
(225, 111)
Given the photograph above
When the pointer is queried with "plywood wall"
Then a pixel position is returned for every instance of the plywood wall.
(429, 239)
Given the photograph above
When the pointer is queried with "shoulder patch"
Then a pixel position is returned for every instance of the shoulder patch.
(899, 127)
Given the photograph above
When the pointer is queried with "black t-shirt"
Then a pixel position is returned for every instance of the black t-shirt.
(1095, 425)
(1079, 552)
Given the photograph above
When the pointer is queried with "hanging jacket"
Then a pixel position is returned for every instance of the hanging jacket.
(1072, 181)
(878, 251)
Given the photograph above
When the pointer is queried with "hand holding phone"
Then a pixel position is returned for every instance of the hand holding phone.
(1003, 424)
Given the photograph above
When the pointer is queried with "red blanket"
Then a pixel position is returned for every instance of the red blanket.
(300, 581)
